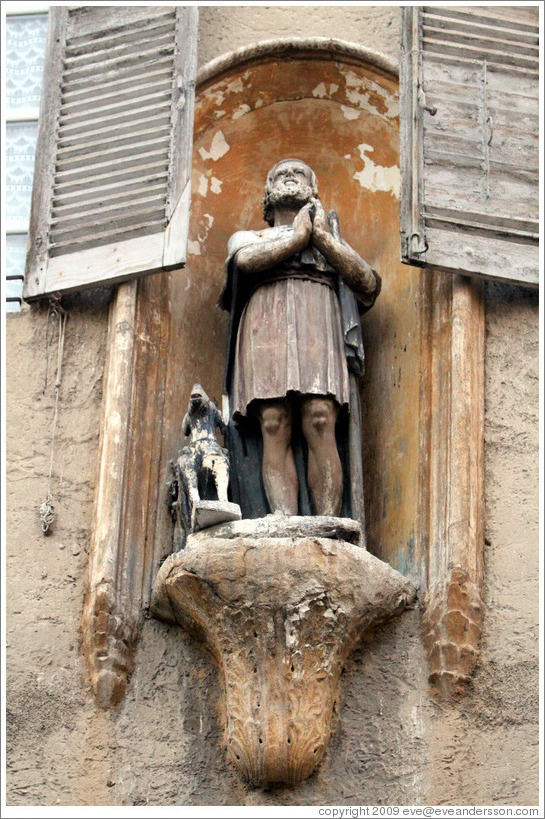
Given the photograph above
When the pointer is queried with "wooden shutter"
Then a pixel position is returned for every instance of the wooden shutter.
(469, 106)
(112, 176)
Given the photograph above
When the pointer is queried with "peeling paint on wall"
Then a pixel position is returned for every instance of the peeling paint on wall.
(349, 113)
(241, 110)
(205, 181)
(215, 185)
(237, 86)
(369, 96)
(209, 219)
(377, 177)
(218, 148)
(320, 91)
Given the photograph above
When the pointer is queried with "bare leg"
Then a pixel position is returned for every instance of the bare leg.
(279, 473)
(325, 475)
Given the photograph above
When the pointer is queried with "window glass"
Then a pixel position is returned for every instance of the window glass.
(15, 254)
(20, 151)
(14, 289)
(15, 266)
(25, 49)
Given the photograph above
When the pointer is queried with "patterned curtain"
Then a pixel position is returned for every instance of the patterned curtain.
(25, 50)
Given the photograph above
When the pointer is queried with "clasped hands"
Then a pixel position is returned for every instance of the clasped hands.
(311, 224)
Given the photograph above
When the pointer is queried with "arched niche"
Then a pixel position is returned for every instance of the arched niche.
(337, 108)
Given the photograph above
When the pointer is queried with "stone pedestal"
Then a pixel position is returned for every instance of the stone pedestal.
(281, 602)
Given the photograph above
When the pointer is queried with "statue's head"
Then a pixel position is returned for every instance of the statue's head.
(290, 182)
(197, 398)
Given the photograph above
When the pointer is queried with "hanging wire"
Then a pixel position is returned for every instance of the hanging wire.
(47, 510)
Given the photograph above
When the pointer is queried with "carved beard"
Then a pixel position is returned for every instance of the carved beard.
(290, 196)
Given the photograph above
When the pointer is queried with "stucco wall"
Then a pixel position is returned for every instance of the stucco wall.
(161, 746)
(223, 29)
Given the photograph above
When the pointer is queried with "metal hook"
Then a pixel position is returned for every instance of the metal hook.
(416, 250)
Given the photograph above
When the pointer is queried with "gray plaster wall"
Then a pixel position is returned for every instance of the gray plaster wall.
(223, 29)
(393, 743)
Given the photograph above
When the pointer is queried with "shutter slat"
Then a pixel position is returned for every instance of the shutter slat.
(480, 42)
(118, 220)
(82, 128)
(499, 17)
(99, 180)
(116, 140)
(111, 89)
(103, 85)
(156, 155)
(480, 217)
(465, 52)
(161, 99)
(72, 217)
(111, 79)
(125, 188)
(437, 20)
(104, 201)
(456, 94)
(456, 250)
(509, 195)
(90, 158)
(439, 163)
(519, 119)
(112, 55)
(119, 65)
(522, 73)
(441, 72)
(114, 130)
(86, 23)
(466, 120)
(144, 228)
(516, 150)
(101, 100)
(139, 32)
(484, 228)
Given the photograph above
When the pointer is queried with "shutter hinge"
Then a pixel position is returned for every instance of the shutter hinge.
(422, 102)
(419, 244)
(181, 86)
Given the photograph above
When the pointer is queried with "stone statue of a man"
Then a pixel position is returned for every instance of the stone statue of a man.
(292, 290)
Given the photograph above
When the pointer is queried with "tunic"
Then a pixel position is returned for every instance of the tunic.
(293, 330)
(290, 340)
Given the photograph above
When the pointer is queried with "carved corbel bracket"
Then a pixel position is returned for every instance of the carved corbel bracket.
(280, 614)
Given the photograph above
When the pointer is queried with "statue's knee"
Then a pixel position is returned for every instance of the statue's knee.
(275, 419)
(319, 415)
